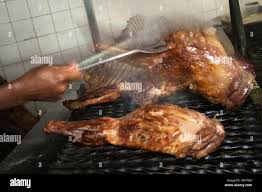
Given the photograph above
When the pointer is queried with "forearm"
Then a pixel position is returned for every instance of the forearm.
(11, 95)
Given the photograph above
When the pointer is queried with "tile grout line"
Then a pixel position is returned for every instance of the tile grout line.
(74, 25)
(56, 33)
(81, 26)
(37, 39)
(48, 54)
(16, 42)
(39, 15)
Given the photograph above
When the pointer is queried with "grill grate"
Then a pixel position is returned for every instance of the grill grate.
(254, 51)
(240, 153)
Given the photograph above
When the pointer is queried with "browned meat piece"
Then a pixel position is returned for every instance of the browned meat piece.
(221, 79)
(159, 128)
(102, 95)
(196, 59)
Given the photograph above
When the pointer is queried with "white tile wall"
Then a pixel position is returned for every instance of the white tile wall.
(48, 44)
(67, 39)
(13, 71)
(38, 7)
(79, 16)
(4, 18)
(28, 65)
(112, 14)
(83, 35)
(24, 30)
(71, 55)
(209, 5)
(63, 20)
(43, 25)
(86, 51)
(18, 9)
(76, 3)
(57, 58)
(6, 34)
(58, 5)
(29, 48)
(2, 73)
(9, 54)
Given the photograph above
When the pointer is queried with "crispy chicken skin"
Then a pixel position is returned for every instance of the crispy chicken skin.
(195, 60)
(162, 128)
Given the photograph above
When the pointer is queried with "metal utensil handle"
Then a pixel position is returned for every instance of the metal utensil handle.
(87, 64)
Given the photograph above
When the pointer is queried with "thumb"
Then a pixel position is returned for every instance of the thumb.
(71, 72)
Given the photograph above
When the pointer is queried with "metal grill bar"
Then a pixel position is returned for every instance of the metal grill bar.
(240, 153)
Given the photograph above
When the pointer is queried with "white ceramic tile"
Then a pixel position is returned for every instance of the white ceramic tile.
(86, 51)
(4, 18)
(43, 25)
(76, 3)
(38, 7)
(24, 30)
(9, 54)
(83, 35)
(48, 44)
(222, 7)
(101, 8)
(31, 107)
(6, 34)
(118, 8)
(58, 5)
(67, 39)
(210, 15)
(63, 21)
(18, 9)
(57, 58)
(28, 65)
(71, 55)
(209, 5)
(2, 73)
(14, 71)
(29, 48)
(79, 17)
(195, 6)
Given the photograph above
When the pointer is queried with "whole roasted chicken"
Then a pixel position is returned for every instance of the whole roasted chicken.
(162, 128)
(196, 60)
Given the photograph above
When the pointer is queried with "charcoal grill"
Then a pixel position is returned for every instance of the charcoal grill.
(241, 151)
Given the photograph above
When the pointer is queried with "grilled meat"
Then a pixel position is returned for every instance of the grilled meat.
(162, 128)
(195, 60)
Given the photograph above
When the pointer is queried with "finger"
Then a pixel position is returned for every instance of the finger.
(70, 72)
